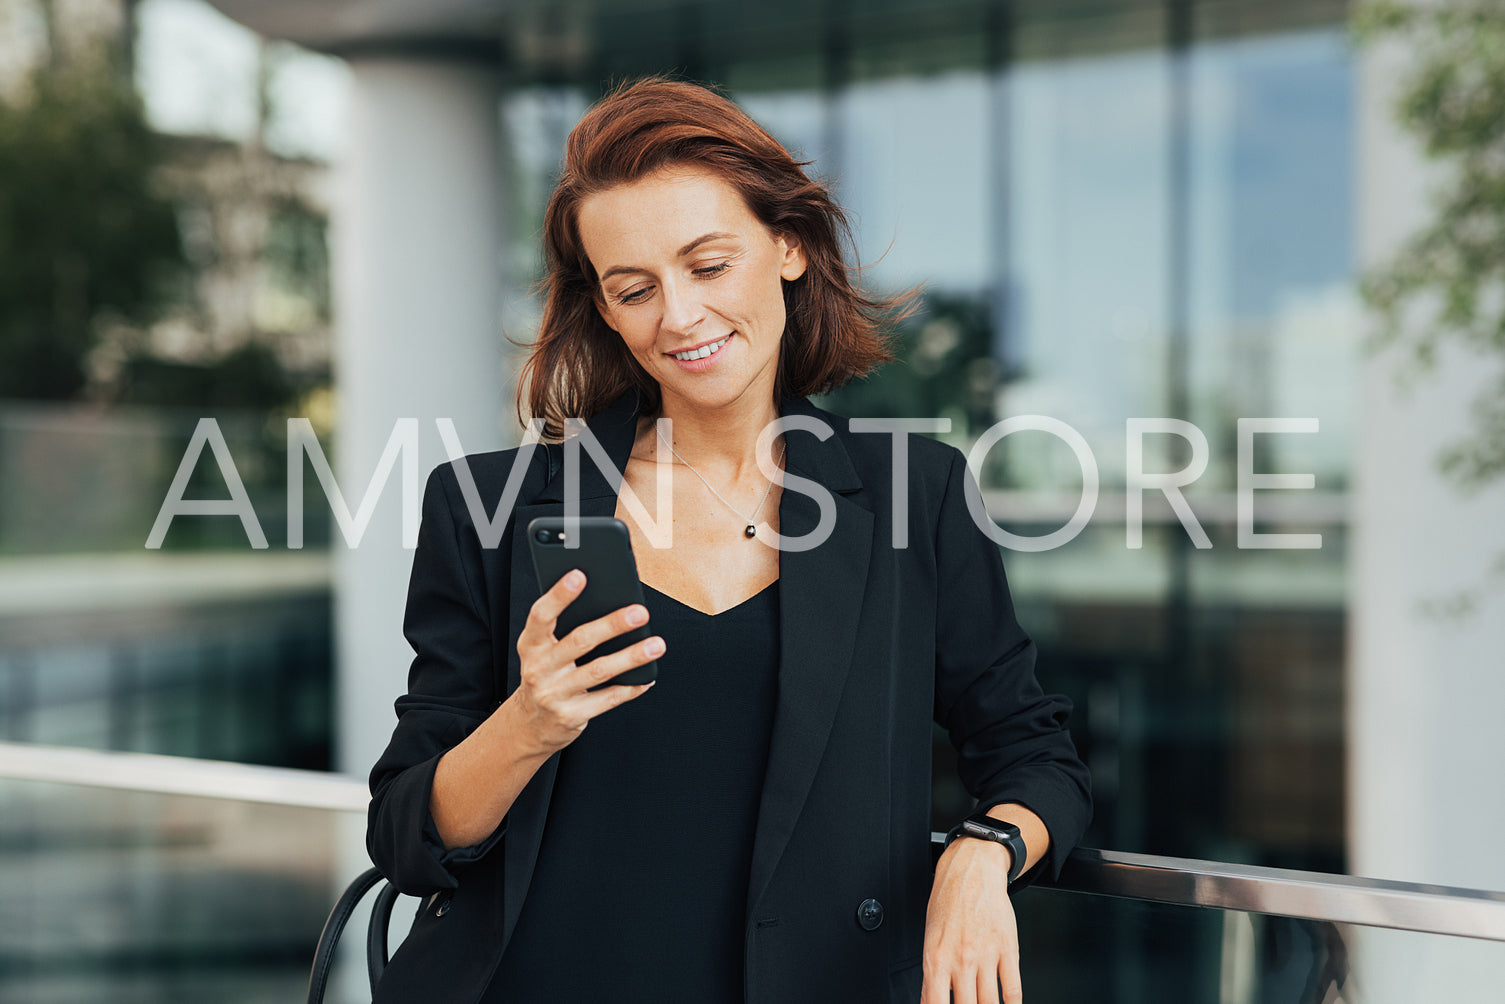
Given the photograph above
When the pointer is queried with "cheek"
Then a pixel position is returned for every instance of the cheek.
(632, 339)
(773, 304)
(634, 328)
(640, 343)
(758, 297)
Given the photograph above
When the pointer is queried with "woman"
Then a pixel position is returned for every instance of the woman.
(755, 825)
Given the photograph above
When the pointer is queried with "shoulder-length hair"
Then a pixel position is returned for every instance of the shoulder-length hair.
(578, 365)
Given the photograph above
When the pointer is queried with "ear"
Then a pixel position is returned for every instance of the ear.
(792, 261)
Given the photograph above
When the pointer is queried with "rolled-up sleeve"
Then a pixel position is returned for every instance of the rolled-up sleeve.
(1010, 736)
(452, 688)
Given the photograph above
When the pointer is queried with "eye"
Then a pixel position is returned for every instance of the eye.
(711, 271)
(636, 296)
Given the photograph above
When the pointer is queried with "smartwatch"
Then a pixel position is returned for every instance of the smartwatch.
(985, 827)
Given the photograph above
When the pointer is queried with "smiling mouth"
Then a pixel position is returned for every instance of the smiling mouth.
(702, 352)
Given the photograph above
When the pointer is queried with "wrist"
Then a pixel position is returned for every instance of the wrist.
(995, 854)
(513, 727)
(983, 829)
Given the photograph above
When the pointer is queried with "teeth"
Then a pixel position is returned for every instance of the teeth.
(701, 352)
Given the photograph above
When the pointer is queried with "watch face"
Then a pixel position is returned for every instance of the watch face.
(991, 826)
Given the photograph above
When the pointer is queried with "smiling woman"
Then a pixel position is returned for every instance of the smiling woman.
(759, 827)
(714, 306)
(739, 175)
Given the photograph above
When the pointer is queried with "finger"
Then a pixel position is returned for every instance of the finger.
(1009, 981)
(935, 989)
(605, 667)
(544, 613)
(592, 633)
(963, 988)
(988, 989)
(599, 702)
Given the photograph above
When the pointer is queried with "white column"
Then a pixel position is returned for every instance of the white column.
(417, 256)
(1426, 691)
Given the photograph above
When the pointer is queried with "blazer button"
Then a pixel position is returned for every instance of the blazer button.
(870, 914)
(443, 907)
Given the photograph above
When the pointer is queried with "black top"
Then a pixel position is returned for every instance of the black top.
(668, 779)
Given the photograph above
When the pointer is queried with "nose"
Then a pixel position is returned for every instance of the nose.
(683, 309)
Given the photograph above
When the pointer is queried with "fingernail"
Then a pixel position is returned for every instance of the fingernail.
(637, 615)
(654, 646)
(574, 579)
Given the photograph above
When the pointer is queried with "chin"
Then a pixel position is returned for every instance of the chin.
(704, 398)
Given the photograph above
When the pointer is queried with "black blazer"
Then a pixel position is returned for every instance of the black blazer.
(875, 642)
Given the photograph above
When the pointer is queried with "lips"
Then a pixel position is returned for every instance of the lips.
(701, 351)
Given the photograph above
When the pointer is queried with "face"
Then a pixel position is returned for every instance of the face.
(692, 282)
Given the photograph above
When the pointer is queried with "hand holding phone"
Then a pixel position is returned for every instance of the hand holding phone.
(573, 665)
(602, 549)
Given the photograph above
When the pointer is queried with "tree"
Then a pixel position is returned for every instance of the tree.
(1447, 283)
(84, 238)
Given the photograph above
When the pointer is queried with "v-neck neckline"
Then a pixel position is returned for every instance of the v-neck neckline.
(702, 613)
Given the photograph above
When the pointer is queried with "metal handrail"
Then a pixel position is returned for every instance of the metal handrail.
(1340, 899)
(176, 775)
(1317, 896)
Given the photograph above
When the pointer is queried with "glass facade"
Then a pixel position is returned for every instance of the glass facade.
(202, 648)
(243, 675)
(1115, 210)
(141, 898)
(1145, 952)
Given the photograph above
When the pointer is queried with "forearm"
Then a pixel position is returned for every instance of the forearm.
(476, 782)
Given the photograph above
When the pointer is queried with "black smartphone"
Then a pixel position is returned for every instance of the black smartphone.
(603, 551)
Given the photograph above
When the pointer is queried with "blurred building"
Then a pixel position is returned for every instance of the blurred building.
(158, 663)
(1154, 209)
(1119, 210)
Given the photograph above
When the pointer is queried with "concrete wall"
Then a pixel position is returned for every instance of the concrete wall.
(417, 252)
(1426, 729)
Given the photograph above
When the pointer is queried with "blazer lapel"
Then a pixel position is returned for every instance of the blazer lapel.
(821, 592)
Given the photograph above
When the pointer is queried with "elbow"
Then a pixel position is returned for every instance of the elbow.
(404, 846)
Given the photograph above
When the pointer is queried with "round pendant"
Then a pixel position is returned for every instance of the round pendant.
(751, 531)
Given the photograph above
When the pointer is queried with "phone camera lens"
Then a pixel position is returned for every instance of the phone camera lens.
(542, 536)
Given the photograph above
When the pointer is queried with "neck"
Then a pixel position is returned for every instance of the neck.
(724, 440)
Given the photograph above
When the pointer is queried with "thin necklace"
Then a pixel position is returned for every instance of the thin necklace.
(750, 531)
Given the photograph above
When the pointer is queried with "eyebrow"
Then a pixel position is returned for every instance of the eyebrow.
(715, 235)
